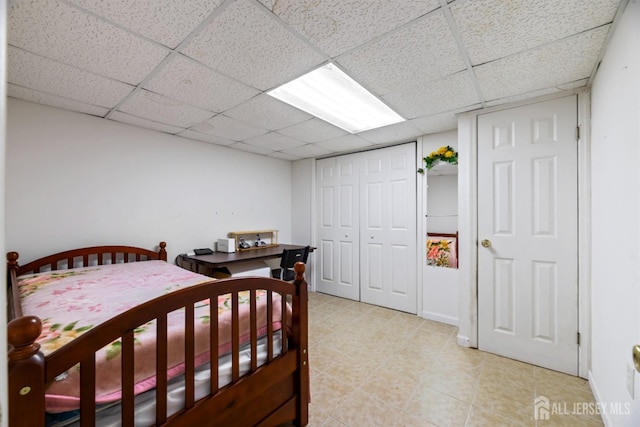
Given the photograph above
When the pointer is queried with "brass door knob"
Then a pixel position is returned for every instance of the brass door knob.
(636, 357)
(485, 243)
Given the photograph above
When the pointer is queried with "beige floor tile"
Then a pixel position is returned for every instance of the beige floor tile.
(327, 392)
(557, 381)
(571, 421)
(363, 409)
(412, 420)
(479, 417)
(461, 385)
(371, 366)
(438, 408)
(442, 328)
(506, 399)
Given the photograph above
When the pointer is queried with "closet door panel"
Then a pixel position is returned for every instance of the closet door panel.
(338, 233)
(388, 183)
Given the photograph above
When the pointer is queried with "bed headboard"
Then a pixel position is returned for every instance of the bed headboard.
(75, 258)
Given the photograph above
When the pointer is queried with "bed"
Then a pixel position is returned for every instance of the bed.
(63, 372)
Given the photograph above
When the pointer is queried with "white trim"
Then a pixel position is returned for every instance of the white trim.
(311, 276)
(462, 341)
(467, 230)
(596, 394)
(436, 317)
(584, 233)
(468, 222)
(421, 225)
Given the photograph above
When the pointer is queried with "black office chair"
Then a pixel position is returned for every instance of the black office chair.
(288, 260)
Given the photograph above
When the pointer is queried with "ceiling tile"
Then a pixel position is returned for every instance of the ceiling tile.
(534, 69)
(144, 123)
(492, 29)
(307, 151)
(274, 141)
(191, 134)
(161, 109)
(188, 81)
(436, 123)
(228, 128)
(521, 96)
(165, 21)
(313, 130)
(420, 52)
(54, 100)
(267, 112)
(245, 43)
(44, 75)
(399, 132)
(74, 37)
(343, 143)
(434, 97)
(284, 156)
(337, 26)
(250, 148)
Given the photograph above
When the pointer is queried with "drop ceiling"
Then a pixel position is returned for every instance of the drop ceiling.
(200, 69)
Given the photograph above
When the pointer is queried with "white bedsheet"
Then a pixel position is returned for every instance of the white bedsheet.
(145, 407)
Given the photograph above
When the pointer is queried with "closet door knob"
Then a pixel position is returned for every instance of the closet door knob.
(485, 243)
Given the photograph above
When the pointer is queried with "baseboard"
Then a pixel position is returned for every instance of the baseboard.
(594, 389)
(440, 318)
(463, 341)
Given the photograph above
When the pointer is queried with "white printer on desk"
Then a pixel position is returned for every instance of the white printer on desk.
(227, 245)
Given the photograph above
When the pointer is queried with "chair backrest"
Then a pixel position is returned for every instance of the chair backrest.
(289, 259)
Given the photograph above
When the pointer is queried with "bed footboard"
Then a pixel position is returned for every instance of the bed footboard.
(270, 394)
(26, 372)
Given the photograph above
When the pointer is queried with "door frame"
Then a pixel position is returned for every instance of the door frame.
(468, 223)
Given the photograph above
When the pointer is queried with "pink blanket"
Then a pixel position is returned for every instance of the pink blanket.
(71, 302)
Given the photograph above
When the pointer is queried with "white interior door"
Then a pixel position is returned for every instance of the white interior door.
(388, 228)
(338, 233)
(527, 218)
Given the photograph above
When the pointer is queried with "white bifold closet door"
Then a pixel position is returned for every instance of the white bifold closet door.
(367, 227)
(338, 235)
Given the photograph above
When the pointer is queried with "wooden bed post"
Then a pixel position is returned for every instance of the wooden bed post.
(26, 373)
(300, 333)
(162, 253)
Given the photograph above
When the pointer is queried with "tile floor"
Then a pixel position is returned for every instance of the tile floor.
(371, 366)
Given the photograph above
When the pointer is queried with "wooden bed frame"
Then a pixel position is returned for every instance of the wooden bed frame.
(272, 394)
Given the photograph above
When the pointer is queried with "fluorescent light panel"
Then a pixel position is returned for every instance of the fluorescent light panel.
(331, 95)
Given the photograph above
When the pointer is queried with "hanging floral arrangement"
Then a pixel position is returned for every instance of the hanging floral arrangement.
(443, 154)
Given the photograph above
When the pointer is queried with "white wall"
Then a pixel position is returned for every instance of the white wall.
(442, 203)
(3, 295)
(615, 180)
(75, 180)
(303, 210)
(440, 195)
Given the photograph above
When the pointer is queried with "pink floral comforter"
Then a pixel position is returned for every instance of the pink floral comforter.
(71, 302)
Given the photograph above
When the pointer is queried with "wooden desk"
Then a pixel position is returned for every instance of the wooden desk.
(214, 265)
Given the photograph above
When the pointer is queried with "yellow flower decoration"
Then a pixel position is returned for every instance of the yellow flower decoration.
(442, 154)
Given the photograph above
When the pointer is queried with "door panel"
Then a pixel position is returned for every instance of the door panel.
(338, 237)
(527, 210)
(388, 228)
